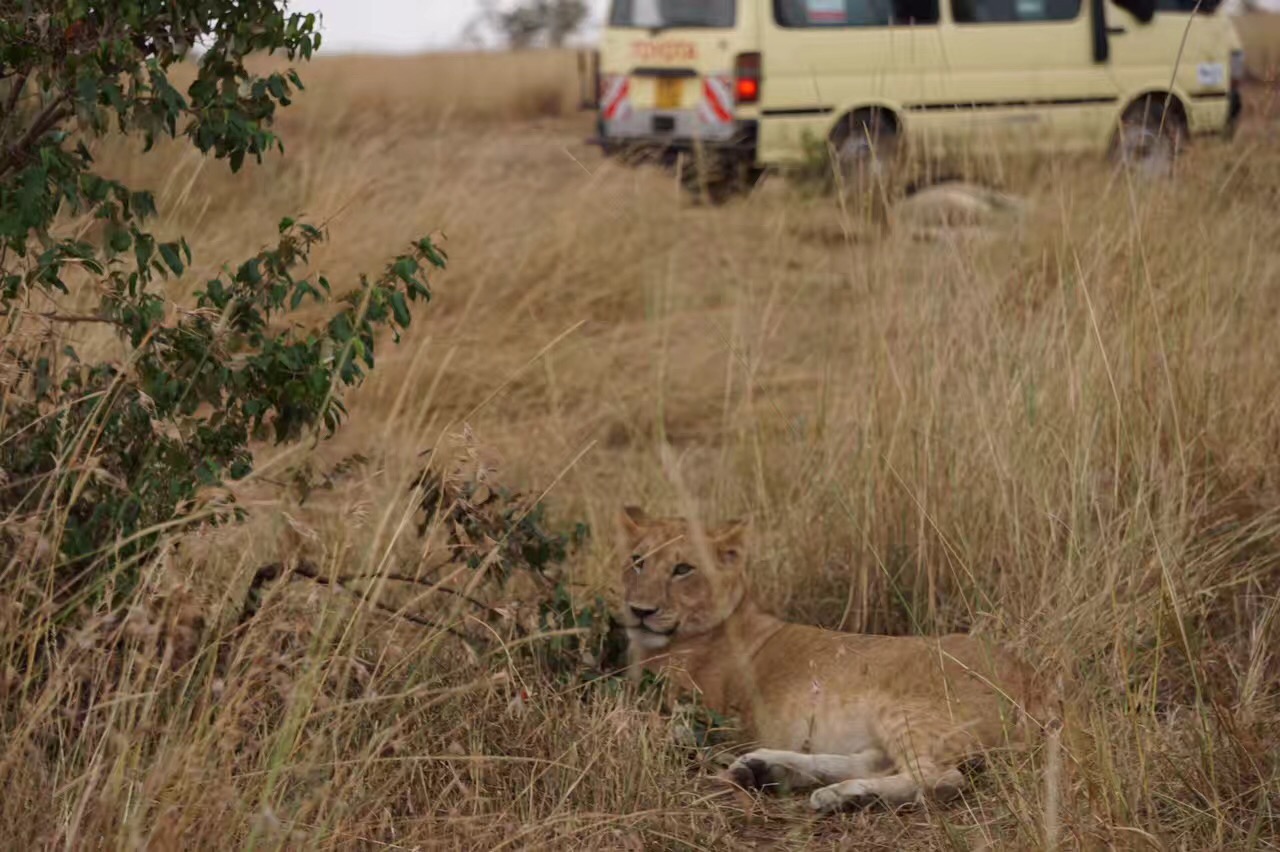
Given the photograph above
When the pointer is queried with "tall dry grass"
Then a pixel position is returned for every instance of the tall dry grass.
(1064, 434)
(1260, 36)
(373, 93)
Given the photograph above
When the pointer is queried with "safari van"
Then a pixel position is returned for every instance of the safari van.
(758, 82)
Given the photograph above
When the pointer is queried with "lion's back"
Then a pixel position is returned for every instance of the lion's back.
(856, 681)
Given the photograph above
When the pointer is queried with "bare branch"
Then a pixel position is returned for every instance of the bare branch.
(49, 118)
(11, 103)
(433, 585)
(53, 316)
(308, 570)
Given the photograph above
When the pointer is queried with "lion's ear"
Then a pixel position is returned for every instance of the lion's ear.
(632, 521)
(731, 542)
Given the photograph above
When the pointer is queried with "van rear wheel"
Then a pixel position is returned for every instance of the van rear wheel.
(866, 153)
(1151, 135)
(716, 178)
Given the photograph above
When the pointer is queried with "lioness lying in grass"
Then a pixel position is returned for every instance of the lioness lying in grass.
(861, 718)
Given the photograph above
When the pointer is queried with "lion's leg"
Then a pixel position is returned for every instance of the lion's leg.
(895, 791)
(797, 771)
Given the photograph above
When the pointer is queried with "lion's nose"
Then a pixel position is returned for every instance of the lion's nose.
(643, 612)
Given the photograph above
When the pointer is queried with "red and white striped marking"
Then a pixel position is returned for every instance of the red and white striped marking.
(717, 100)
(616, 102)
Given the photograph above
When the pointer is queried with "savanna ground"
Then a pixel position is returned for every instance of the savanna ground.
(1065, 434)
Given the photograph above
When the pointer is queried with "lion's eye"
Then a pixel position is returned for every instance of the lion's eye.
(681, 569)
(637, 562)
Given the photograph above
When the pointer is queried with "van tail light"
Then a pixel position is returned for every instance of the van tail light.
(746, 78)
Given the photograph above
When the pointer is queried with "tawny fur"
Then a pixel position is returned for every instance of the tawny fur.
(860, 718)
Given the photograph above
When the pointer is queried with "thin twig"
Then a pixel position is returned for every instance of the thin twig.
(307, 570)
(433, 585)
(19, 83)
(53, 316)
(53, 115)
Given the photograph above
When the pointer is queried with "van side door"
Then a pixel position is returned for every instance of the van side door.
(1186, 45)
(825, 58)
(1021, 73)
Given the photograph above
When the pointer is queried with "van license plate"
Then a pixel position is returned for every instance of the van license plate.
(669, 92)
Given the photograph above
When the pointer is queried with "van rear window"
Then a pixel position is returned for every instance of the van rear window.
(854, 13)
(673, 14)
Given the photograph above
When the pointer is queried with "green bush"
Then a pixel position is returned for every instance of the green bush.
(100, 461)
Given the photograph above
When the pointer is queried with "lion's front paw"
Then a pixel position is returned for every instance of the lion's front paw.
(749, 772)
(824, 800)
(838, 797)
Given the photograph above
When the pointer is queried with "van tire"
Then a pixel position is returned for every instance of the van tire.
(865, 147)
(716, 178)
(1151, 135)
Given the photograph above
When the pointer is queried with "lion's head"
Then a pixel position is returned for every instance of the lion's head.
(678, 580)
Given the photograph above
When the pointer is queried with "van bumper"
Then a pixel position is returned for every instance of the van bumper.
(742, 142)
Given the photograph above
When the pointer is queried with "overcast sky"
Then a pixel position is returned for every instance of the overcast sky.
(396, 25)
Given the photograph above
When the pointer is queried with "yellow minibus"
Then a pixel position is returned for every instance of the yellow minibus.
(754, 83)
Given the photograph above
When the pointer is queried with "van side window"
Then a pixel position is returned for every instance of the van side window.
(1013, 11)
(1203, 7)
(804, 14)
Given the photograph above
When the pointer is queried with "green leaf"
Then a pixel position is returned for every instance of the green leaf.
(169, 251)
(434, 255)
(87, 89)
(405, 269)
(119, 239)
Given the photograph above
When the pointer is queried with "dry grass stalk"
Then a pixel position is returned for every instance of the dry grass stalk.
(1065, 434)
